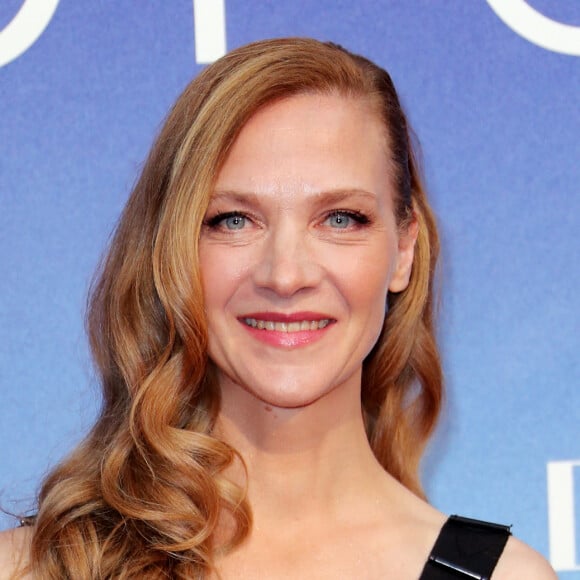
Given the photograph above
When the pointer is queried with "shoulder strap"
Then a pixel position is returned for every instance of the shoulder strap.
(465, 549)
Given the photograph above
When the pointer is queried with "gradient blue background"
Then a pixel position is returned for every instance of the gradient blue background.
(499, 122)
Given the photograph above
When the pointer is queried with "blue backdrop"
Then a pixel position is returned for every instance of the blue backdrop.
(492, 89)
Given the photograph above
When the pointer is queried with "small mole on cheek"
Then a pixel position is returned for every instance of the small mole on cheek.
(268, 408)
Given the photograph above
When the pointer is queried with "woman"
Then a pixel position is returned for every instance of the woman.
(263, 329)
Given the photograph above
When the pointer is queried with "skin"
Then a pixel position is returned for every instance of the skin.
(294, 165)
(322, 505)
(294, 413)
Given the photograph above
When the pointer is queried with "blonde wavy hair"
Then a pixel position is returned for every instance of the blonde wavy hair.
(143, 494)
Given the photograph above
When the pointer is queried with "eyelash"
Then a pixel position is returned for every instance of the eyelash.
(360, 218)
(214, 222)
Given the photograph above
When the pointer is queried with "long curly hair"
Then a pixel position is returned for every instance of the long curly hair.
(143, 495)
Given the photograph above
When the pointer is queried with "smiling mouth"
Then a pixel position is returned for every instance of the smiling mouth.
(295, 326)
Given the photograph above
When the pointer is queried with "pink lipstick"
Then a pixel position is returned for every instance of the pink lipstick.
(287, 330)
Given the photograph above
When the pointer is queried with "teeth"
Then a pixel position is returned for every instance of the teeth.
(287, 326)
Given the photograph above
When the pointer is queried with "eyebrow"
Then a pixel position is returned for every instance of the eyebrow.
(325, 196)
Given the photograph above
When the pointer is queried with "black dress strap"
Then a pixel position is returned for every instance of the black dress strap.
(465, 549)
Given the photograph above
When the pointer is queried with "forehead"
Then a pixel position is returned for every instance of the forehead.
(310, 142)
(321, 113)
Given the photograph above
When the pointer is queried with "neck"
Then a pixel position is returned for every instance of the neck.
(308, 459)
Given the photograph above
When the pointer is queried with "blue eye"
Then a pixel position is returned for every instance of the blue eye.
(339, 220)
(343, 219)
(234, 222)
(227, 221)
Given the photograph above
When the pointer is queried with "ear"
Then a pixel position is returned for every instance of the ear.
(405, 254)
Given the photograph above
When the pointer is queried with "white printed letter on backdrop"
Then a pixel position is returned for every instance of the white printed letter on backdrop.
(536, 27)
(210, 30)
(561, 515)
(25, 28)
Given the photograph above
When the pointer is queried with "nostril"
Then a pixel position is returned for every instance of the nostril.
(285, 277)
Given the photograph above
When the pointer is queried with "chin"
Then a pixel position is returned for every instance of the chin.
(291, 396)
(288, 400)
(287, 387)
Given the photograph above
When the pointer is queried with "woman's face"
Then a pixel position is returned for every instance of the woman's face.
(298, 250)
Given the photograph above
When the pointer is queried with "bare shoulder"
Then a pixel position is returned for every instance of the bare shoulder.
(520, 561)
(14, 545)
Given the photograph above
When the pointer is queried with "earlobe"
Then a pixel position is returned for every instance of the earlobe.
(405, 255)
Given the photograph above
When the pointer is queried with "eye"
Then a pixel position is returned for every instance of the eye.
(228, 221)
(234, 222)
(341, 219)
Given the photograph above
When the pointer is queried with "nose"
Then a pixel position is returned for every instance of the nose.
(288, 262)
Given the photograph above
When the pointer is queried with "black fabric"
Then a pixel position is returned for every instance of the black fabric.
(466, 549)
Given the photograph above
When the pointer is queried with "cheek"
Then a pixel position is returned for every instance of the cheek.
(371, 304)
(222, 270)
(364, 284)
(366, 277)
(214, 282)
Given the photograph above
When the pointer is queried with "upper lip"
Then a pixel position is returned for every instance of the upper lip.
(287, 317)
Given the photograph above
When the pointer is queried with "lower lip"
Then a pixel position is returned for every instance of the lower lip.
(287, 339)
